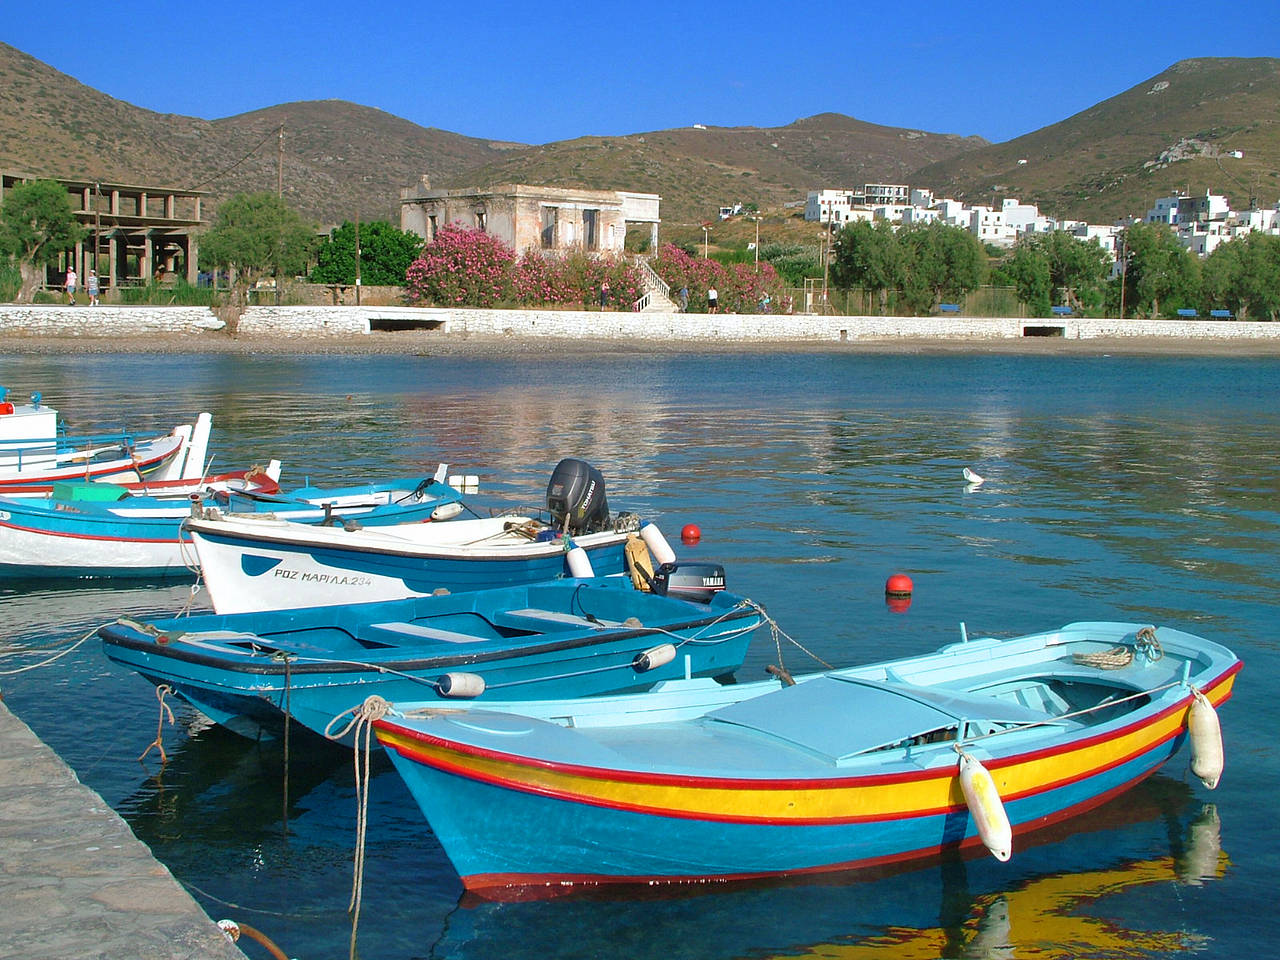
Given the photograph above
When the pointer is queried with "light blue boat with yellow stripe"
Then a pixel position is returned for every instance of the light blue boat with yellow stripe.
(979, 742)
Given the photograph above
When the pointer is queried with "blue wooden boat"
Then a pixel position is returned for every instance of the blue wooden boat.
(845, 769)
(256, 563)
(563, 638)
(97, 529)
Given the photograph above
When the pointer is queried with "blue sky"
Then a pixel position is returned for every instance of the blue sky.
(538, 72)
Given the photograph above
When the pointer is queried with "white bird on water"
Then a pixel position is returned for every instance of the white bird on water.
(971, 477)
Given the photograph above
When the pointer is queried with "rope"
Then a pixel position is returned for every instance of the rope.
(373, 708)
(162, 691)
(777, 633)
(1114, 659)
(45, 663)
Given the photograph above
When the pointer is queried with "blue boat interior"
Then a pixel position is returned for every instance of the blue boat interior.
(558, 610)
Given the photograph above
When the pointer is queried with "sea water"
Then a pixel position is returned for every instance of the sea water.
(1116, 487)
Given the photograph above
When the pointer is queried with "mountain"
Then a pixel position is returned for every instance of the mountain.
(698, 169)
(340, 158)
(1175, 131)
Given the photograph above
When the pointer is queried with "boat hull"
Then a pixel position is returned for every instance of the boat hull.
(518, 801)
(244, 573)
(241, 679)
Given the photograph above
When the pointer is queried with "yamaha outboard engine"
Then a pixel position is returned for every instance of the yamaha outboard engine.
(698, 582)
(575, 497)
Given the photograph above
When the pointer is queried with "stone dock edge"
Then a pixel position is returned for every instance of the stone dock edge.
(74, 880)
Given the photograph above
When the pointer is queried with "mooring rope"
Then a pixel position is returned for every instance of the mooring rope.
(361, 726)
(45, 663)
(162, 691)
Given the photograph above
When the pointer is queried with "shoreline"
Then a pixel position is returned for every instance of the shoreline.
(437, 343)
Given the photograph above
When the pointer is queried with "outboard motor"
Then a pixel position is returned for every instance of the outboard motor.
(698, 582)
(576, 498)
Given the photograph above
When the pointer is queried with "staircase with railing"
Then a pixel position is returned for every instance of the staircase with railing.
(657, 293)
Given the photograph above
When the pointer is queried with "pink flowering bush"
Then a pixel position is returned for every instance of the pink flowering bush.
(466, 267)
(741, 287)
(461, 267)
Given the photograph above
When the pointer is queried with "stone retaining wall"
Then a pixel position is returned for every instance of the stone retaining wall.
(346, 322)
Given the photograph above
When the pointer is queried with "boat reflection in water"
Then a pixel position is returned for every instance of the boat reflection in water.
(1044, 917)
(1063, 905)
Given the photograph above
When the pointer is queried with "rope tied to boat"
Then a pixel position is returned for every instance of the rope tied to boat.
(162, 691)
(777, 633)
(1119, 657)
(47, 661)
(1146, 643)
(361, 725)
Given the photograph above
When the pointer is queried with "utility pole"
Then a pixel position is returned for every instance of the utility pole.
(279, 196)
(97, 222)
(357, 258)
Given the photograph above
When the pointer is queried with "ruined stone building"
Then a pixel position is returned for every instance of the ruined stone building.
(533, 218)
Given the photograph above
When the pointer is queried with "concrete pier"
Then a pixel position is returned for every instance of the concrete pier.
(74, 880)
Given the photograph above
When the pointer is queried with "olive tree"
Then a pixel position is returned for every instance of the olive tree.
(36, 224)
(255, 235)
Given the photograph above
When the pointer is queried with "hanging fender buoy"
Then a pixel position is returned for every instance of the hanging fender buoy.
(1206, 740)
(986, 807)
(580, 563)
(657, 543)
(460, 685)
(657, 656)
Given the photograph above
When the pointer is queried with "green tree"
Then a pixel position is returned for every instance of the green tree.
(1243, 276)
(1161, 274)
(940, 261)
(1078, 268)
(868, 256)
(1057, 267)
(1026, 269)
(36, 224)
(256, 235)
(385, 255)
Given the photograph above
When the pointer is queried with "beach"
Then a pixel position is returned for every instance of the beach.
(438, 343)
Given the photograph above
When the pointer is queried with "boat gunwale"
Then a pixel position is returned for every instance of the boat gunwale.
(402, 739)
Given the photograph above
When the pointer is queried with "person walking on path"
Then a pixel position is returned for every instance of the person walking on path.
(684, 299)
(71, 281)
(91, 287)
(713, 300)
(604, 295)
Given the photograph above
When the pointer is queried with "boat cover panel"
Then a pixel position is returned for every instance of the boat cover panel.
(840, 717)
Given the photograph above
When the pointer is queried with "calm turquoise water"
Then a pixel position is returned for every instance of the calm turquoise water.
(1117, 488)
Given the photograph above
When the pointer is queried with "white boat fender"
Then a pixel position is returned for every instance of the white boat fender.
(1206, 740)
(579, 563)
(985, 806)
(446, 511)
(460, 685)
(654, 657)
(657, 543)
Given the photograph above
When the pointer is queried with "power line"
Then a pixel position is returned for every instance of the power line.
(238, 162)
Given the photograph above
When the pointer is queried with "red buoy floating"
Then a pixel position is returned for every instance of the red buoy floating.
(897, 593)
(690, 533)
(898, 585)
